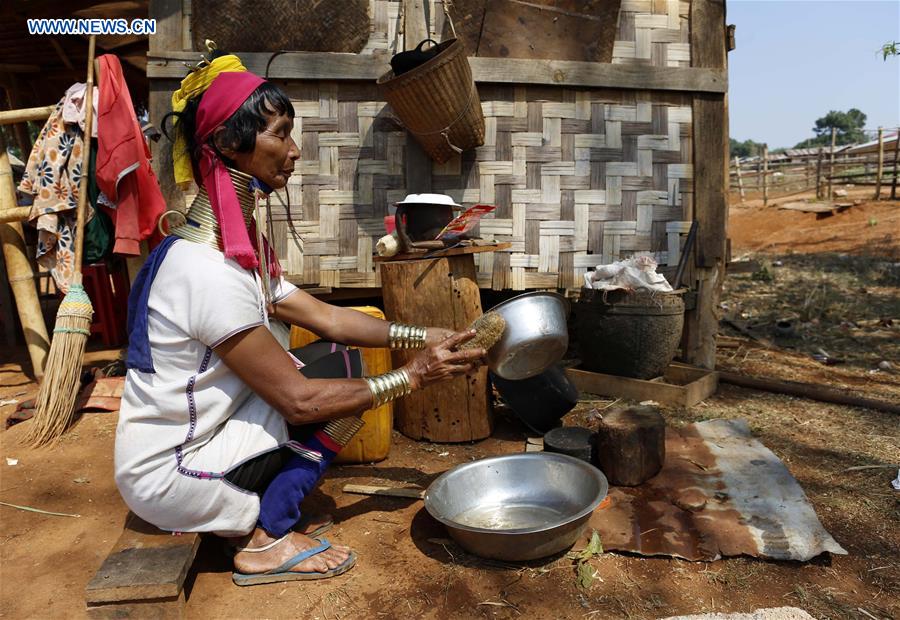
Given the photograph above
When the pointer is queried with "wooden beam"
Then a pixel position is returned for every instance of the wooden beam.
(19, 68)
(710, 159)
(169, 23)
(341, 66)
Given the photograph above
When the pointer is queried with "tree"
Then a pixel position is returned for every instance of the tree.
(891, 48)
(848, 125)
(747, 148)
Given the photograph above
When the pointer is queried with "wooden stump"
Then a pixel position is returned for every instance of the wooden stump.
(438, 292)
(631, 445)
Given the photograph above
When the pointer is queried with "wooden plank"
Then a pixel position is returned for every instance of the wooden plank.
(145, 563)
(516, 29)
(365, 489)
(158, 609)
(711, 207)
(341, 66)
(625, 387)
(168, 36)
(683, 385)
(418, 164)
(471, 249)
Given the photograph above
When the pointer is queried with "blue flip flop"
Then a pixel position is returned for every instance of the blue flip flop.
(284, 572)
(231, 549)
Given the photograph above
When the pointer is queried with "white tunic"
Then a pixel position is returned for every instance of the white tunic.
(182, 428)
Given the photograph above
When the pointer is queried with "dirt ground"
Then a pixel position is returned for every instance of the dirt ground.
(409, 569)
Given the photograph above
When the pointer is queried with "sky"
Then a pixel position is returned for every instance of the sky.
(795, 60)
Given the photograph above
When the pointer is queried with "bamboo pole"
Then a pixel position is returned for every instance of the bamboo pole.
(8, 117)
(16, 214)
(894, 183)
(54, 408)
(831, 163)
(737, 165)
(20, 272)
(765, 178)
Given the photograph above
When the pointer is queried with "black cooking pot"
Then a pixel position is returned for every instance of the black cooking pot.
(406, 61)
(539, 401)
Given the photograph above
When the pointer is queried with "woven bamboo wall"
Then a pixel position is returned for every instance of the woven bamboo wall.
(579, 177)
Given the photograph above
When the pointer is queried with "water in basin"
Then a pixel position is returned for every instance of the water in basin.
(509, 516)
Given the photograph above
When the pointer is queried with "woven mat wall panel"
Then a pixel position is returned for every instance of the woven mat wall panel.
(579, 178)
(649, 32)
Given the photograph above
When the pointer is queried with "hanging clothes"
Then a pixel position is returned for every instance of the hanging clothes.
(73, 106)
(52, 175)
(123, 162)
(99, 232)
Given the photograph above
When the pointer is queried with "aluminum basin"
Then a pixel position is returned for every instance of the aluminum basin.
(517, 507)
(536, 335)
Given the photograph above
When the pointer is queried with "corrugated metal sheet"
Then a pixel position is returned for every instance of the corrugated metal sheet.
(720, 493)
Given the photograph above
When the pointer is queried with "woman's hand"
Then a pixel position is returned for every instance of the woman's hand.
(440, 361)
(436, 335)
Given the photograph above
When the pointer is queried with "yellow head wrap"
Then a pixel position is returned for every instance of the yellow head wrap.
(193, 86)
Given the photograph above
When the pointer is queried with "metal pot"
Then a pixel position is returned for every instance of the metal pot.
(539, 401)
(519, 506)
(536, 335)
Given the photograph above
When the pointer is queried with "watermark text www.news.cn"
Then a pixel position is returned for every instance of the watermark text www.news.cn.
(119, 26)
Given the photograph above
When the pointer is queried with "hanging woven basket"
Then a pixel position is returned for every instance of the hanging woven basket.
(438, 102)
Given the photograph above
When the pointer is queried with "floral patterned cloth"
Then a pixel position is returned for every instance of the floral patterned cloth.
(52, 176)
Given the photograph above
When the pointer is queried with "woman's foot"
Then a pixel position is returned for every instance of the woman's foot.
(313, 525)
(249, 561)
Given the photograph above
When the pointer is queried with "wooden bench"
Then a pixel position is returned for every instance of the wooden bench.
(143, 575)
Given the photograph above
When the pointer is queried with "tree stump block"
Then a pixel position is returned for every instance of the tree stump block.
(631, 445)
(438, 292)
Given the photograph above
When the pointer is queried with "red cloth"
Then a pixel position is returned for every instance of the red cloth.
(123, 162)
(222, 99)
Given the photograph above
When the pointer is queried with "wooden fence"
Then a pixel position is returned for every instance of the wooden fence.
(823, 170)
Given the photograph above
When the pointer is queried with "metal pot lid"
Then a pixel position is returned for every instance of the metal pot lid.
(428, 199)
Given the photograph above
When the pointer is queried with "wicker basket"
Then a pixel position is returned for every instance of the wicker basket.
(438, 102)
(628, 334)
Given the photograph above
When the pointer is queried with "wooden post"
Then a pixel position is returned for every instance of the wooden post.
(438, 292)
(737, 165)
(710, 158)
(168, 37)
(807, 169)
(819, 174)
(894, 182)
(21, 273)
(418, 163)
(759, 180)
(765, 178)
(831, 164)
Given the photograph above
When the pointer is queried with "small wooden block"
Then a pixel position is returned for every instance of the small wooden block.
(682, 385)
(146, 565)
(631, 445)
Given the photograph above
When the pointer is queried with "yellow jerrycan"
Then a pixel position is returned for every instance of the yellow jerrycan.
(373, 442)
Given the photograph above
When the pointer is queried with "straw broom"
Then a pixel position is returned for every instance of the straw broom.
(55, 406)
